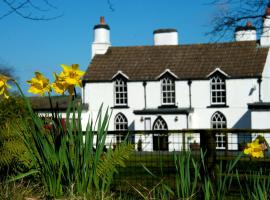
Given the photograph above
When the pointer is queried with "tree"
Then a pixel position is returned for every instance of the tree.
(6, 70)
(234, 13)
(28, 9)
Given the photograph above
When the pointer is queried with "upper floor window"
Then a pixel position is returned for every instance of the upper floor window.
(168, 91)
(218, 121)
(120, 92)
(218, 90)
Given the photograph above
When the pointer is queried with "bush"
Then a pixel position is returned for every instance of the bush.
(14, 155)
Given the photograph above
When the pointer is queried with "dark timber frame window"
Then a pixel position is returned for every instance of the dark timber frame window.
(168, 91)
(218, 121)
(160, 141)
(120, 124)
(218, 90)
(120, 92)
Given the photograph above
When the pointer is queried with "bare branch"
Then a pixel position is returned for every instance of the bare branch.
(111, 6)
(29, 10)
(233, 13)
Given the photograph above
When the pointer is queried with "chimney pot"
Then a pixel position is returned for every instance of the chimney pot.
(249, 24)
(102, 20)
(267, 10)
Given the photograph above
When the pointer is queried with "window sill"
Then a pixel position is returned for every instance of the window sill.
(167, 106)
(119, 107)
(218, 106)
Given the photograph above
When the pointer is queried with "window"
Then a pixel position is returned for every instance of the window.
(168, 91)
(218, 121)
(218, 90)
(120, 91)
(120, 124)
(160, 141)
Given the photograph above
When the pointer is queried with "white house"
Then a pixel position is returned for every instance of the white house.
(171, 86)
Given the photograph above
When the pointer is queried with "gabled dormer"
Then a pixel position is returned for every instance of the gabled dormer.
(120, 89)
(218, 87)
(167, 81)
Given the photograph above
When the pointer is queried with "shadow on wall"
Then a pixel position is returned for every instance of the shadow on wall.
(132, 126)
(244, 122)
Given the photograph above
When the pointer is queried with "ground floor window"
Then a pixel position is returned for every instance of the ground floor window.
(218, 121)
(160, 141)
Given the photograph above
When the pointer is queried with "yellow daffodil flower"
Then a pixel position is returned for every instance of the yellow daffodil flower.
(72, 74)
(68, 79)
(4, 86)
(39, 84)
(255, 149)
(59, 86)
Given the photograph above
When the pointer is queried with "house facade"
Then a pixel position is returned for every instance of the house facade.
(170, 86)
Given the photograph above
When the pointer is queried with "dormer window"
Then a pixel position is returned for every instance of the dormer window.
(167, 91)
(120, 92)
(218, 90)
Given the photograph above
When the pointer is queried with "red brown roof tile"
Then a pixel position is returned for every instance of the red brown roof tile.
(237, 59)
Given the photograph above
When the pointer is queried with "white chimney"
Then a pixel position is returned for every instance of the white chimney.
(165, 37)
(245, 33)
(265, 37)
(101, 38)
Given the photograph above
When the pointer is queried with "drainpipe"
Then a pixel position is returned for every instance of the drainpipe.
(259, 82)
(187, 115)
(189, 90)
(144, 88)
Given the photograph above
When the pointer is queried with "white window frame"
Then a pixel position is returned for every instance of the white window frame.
(160, 124)
(218, 90)
(120, 92)
(167, 91)
(218, 121)
(120, 124)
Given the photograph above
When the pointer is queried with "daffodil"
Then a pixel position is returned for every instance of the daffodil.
(68, 79)
(4, 86)
(39, 84)
(255, 149)
(72, 74)
(59, 86)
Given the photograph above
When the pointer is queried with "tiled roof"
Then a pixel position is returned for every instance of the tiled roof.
(43, 103)
(236, 59)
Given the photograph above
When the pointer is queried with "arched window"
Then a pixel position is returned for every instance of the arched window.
(160, 124)
(160, 141)
(120, 92)
(218, 90)
(120, 124)
(218, 121)
(168, 91)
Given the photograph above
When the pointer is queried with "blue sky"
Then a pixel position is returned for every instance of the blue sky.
(30, 46)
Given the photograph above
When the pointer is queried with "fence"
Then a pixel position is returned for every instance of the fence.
(154, 151)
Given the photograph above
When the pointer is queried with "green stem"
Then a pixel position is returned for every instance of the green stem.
(24, 97)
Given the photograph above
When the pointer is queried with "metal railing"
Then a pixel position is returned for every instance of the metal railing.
(155, 150)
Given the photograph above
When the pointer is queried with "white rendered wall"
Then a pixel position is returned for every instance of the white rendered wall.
(265, 84)
(240, 92)
(258, 119)
(259, 122)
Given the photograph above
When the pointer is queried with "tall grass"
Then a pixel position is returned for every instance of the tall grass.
(187, 176)
(68, 160)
